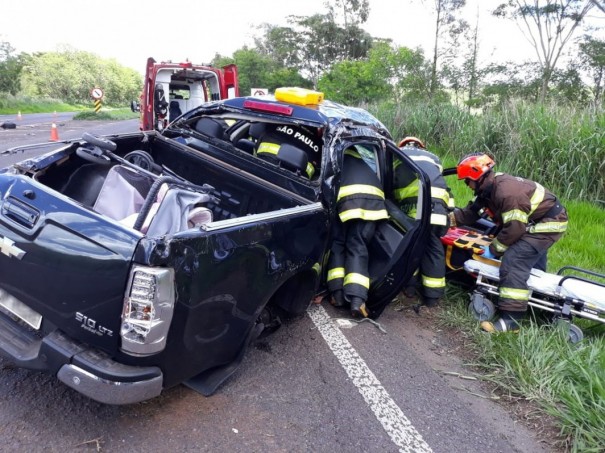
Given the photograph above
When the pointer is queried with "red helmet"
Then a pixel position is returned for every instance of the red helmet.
(474, 166)
(413, 140)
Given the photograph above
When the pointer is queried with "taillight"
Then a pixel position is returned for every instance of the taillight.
(148, 309)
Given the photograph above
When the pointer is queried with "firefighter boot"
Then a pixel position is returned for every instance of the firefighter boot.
(358, 307)
(508, 322)
(427, 302)
(338, 299)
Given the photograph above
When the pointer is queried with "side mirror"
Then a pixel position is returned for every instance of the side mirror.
(135, 106)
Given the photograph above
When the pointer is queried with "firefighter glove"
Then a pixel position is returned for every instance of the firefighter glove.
(487, 253)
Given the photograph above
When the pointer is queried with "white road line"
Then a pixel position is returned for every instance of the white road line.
(390, 416)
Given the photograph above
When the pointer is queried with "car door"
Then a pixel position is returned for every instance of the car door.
(398, 244)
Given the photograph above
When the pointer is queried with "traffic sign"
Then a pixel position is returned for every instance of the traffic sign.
(96, 93)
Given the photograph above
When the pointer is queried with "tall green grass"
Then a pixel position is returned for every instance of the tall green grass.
(567, 381)
(561, 147)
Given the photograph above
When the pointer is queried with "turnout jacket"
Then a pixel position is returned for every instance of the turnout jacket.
(406, 185)
(518, 206)
(360, 195)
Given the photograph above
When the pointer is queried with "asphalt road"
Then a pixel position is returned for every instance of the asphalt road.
(321, 383)
(36, 128)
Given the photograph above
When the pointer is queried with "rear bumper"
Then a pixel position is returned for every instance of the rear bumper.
(90, 372)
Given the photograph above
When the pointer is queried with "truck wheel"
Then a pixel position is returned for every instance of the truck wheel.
(99, 141)
(481, 307)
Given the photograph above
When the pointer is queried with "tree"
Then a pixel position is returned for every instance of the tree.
(387, 74)
(256, 69)
(599, 4)
(548, 25)
(353, 82)
(352, 12)
(511, 80)
(446, 23)
(312, 44)
(70, 74)
(11, 66)
(592, 55)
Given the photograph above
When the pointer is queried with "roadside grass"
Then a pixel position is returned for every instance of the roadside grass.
(539, 364)
(562, 147)
(106, 114)
(12, 105)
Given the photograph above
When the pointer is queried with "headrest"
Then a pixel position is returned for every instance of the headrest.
(210, 127)
(256, 130)
(292, 157)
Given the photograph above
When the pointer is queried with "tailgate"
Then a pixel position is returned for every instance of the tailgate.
(63, 261)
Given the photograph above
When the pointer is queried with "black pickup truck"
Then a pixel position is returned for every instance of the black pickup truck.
(133, 263)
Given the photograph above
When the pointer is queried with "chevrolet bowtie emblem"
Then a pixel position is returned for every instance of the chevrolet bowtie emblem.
(8, 248)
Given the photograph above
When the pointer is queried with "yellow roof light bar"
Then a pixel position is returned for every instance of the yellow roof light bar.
(299, 96)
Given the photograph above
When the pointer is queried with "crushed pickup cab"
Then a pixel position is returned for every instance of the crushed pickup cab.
(133, 263)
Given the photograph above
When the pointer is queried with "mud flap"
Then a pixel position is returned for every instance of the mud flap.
(207, 382)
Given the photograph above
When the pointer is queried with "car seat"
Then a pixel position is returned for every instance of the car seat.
(255, 131)
(175, 110)
(211, 128)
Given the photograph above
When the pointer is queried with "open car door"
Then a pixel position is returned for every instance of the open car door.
(398, 243)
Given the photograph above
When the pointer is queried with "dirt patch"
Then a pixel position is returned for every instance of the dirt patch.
(450, 352)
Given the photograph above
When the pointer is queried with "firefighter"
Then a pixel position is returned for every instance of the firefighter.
(530, 220)
(275, 135)
(360, 204)
(429, 279)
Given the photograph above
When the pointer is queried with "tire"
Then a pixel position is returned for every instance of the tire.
(99, 141)
(8, 125)
(481, 307)
(141, 159)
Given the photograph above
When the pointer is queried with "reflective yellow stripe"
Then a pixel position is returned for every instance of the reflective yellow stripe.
(310, 170)
(548, 227)
(317, 268)
(514, 293)
(427, 159)
(431, 282)
(440, 194)
(438, 219)
(355, 189)
(536, 198)
(499, 246)
(363, 214)
(411, 190)
(451, 203)
(337, 272)
(269, 148)
(358, 279)
(515, 214)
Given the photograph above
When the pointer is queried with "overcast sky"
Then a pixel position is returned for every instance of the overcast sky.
(132, 30)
